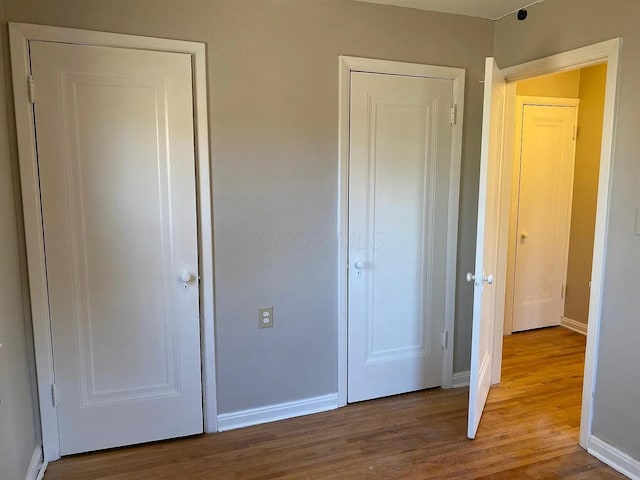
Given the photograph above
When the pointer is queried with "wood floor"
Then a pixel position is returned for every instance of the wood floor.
(529, 431)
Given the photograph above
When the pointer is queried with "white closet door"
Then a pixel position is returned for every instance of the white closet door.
(400, 143)
(117, 173)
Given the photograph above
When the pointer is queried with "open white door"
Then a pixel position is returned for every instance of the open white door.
(484, 300)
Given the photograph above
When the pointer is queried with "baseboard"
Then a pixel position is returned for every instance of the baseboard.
(460, 379)
(272, 413)
(43, 469)
(613, 457)
(37, 466)
(574, 325)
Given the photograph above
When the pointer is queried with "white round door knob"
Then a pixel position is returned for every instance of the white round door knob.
(185, 276)
(470, 277)
(490, 279)
(359, 264)
(524, 235)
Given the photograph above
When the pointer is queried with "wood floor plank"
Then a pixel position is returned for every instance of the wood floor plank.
(529, 431)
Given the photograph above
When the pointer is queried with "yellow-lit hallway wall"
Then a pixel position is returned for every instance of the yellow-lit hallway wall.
(560, 85)
(585, 191)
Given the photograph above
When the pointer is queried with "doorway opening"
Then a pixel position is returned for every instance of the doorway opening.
(556, 162)
(557, 141)
(494, 206)
(604, 55)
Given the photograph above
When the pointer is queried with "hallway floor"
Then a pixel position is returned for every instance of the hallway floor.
(529, 431)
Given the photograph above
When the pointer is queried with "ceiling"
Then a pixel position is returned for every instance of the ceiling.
(492, 9)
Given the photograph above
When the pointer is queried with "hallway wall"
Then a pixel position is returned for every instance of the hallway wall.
(585, 192)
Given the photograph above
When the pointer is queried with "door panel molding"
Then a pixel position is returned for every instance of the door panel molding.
(347, 65)
(421, 347)
(20, 36)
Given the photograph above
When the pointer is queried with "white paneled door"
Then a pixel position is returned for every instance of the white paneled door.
(116, 158)
(487, 241)
(399, 160)
(547, 152)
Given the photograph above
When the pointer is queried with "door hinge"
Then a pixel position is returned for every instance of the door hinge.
(563, 291)
(445, 339)
(575, 132)
(54, 395)
(454, 114)
(31, 89)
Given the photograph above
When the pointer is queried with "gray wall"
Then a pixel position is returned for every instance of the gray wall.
(18, 431)
(553, 27)
(273, 99)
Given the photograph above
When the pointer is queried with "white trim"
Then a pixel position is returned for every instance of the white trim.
(457, 75)
(563, 62)
(273, 413)
(20, 35)
(502, 308)
(391, 67)
(574, 325)
(523, 100)
(461, 379)
(37, 466)
(609, 52)
(600, 240)
(509, 221)
(613, 457)
(344, 98)
(43, 470)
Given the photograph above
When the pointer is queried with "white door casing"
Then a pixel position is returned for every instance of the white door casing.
(117, 177)
(400, 139)
(487, 244)
(546, 131)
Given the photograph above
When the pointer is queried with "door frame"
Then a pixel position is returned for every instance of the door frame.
(20, 35)
(520, 102)
(347, 65)
(609, 52)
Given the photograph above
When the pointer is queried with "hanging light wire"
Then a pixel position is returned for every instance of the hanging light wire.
(521, 8)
